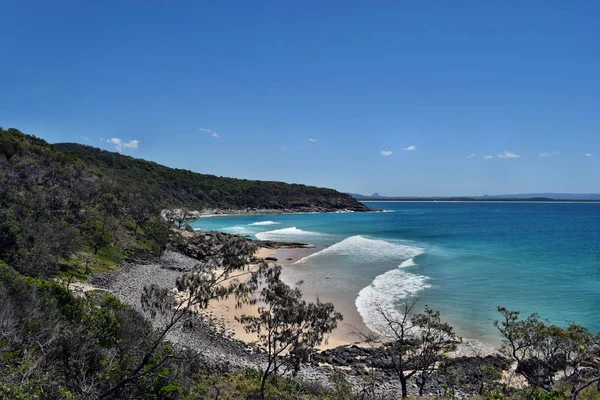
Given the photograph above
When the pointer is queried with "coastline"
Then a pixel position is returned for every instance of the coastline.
(217, 212)
(224, 313)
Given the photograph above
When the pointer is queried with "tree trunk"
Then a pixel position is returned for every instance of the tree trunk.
(262, 387)
(421, 387)
(403, 386)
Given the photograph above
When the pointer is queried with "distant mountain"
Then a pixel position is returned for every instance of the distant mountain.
(366, 197)
(520, 196)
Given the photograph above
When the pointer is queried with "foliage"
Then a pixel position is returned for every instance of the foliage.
(52, 206)
(542, 351)
(175, 188)
(288, 328)
(54, 345)
(415, 342)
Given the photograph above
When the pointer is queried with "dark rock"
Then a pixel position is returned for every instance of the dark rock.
(272, 244)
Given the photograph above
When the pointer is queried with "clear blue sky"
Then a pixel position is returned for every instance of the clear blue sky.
(362, 79)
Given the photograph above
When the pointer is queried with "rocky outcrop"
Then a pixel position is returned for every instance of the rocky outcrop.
(271, 244)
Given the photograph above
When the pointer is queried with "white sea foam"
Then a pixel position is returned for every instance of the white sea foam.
(408, 263)
(385, 291)
(292, 233)
(238, 230)
(365, 249)
(261, 223)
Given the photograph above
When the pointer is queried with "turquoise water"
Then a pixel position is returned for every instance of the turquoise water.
(464, 259)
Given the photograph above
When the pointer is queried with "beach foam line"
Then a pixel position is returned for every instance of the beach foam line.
(262, 223)
(365, 249)
(238, 230)
(385, 290)
(292, 233)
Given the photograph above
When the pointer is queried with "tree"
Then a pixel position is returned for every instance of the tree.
(542, 350)
(209, 281)
(414, 343)
(287, 327)
(182, 217)
(435, 339)
(103, 220)
(158, 233)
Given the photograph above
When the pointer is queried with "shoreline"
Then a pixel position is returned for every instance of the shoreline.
(224, 313)
(217, 212)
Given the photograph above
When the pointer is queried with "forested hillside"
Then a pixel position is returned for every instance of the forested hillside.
(176, 187)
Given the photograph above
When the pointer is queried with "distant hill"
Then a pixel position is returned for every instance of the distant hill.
(362, 196)
(521, 196)
(168, 187)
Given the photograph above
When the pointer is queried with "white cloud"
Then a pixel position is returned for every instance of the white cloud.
(508, 154)
(212, 133)
(132, 144)
(470, 156)
(548, 154)
(120, 144)
(411, 148)
(284, 148)
(488, 157)
(588, 155)
(385, 153)
(312, 140)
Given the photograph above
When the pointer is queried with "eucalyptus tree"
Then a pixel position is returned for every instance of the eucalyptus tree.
(411, 344)
(287, 327)
(545, 352)
(212, 279)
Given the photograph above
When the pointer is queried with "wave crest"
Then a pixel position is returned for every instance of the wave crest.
(292, 233)
(385, 290)
(237, 230)
(262, 223)
(361, 248)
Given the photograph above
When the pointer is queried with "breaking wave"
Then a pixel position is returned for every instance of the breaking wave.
(238, 230)
(361, 248)
(286, 234)
(386, 290)
(261, 223)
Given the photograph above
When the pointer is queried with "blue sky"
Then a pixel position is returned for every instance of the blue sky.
(365, 80)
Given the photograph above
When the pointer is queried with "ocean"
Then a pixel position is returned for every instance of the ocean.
(464, 259)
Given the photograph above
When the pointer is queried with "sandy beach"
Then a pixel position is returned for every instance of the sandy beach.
(225, 312)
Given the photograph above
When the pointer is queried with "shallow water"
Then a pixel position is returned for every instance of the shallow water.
(464, 259)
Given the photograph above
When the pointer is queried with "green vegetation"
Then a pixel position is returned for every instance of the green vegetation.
(170, 187)
(55, 212)
(288, 328)
(414, 343)
(56, 346)
(543, 352)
